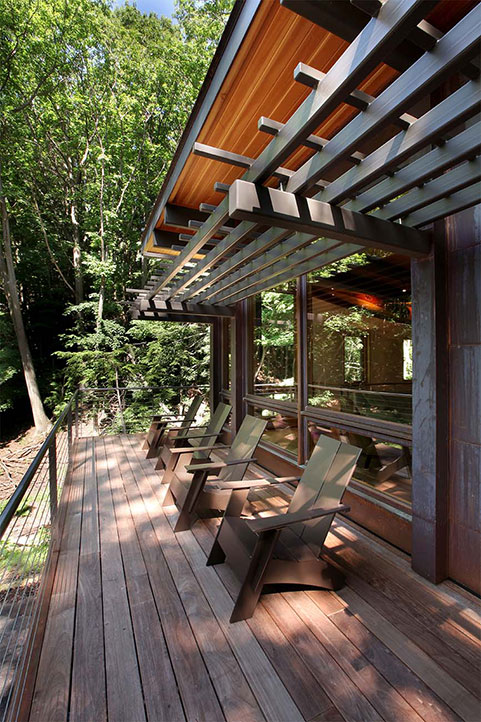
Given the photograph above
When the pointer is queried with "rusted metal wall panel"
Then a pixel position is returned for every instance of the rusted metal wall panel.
(463, 232)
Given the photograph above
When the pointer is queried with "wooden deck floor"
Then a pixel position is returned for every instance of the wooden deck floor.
(138, 625)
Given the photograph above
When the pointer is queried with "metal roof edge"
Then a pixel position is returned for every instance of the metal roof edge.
(231, 39)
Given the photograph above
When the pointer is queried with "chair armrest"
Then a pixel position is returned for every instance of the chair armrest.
(280, 521)
(213, 465)
(200, 436)
(256, 483)
(193, 449)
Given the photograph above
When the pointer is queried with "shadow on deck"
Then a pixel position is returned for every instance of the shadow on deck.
(137, 627)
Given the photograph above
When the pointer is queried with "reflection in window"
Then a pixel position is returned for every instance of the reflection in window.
(281, 429)
(359, 336)
(382, 465)
(274, 339)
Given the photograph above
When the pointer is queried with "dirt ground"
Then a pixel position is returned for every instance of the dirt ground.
(15, 457)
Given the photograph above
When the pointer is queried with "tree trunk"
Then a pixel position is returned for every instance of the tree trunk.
(77, 258)
(7, 272)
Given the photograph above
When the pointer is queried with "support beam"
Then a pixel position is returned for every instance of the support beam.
(463, 175)
(396, 20)
(185, 309)
(430, 414)
(445, 207)
(312, 261)
(240, 161)
(265, 252)
(320, 252)
(315, 142)
(312, 77)
(259, 204)
(434, 124)
(137, 315)
(428, 72)
(345, 21)
(462, 146)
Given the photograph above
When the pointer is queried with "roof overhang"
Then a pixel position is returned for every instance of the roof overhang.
(350, 142)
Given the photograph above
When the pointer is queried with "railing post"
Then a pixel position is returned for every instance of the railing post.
(76, 414)
(52, 476)
(69, 432)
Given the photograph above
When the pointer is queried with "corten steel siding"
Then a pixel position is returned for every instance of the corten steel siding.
(463, 236)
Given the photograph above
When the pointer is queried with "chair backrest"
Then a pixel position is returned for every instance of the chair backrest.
(327, 473)
(211, 432)
(243, 447)
(189, 416)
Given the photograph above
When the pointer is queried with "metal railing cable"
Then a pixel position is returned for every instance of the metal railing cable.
(26, 531)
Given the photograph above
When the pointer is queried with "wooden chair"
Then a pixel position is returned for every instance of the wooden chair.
(159, 426)
(188, 488)
(195, 445)
(286, 548)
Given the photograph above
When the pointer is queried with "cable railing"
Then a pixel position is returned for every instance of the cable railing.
(32, 518)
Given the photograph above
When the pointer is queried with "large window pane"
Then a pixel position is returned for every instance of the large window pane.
(359, 336)
(274, 339)
(281, 429)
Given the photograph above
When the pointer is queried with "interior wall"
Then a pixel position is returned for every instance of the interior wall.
(463, 234)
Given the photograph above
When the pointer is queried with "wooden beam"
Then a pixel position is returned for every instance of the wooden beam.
(445, 207)
(395, 20)
(358, 99)
(315, 142)
(259, 204)
(137, 315)
(463, 175)
(318, 254)
(291, 269)
(428, 72)
(235, 159)
(345, 21)
(185, 309)
(462, 146)
(434, 124)
(271, 237)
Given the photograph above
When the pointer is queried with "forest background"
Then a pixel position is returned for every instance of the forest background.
(93, 101)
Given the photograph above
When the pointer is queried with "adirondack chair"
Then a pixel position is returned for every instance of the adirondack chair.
(195, 446)
(159, 426)
(189, 489)
(286, 548)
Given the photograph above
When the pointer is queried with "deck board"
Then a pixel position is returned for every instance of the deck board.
(137, 627)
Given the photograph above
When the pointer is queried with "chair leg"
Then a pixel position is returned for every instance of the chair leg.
(168, 498)
(246, 602)
(252, 585)
(217, 555)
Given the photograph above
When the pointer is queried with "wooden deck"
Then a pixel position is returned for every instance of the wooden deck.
(138, 627)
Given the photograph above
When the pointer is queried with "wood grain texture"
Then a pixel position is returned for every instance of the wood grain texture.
(382, 648)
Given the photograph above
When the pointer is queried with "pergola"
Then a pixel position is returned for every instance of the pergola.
(324, 129)
(275, 223)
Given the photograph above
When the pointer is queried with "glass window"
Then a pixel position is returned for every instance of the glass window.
(383, 465)
(359, 336)
(281, 429)
(274, 341)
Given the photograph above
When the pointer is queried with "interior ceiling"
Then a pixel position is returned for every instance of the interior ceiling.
(260, 83)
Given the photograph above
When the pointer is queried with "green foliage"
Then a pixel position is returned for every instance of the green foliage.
(93, 101)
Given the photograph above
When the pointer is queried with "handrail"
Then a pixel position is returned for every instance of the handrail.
(17, 496)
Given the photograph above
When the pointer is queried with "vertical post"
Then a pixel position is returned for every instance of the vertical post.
(241, 348)
(302, 370)
(52, 477)
(216, 366)
(69, 432)
(430, 412)
(76, 414)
